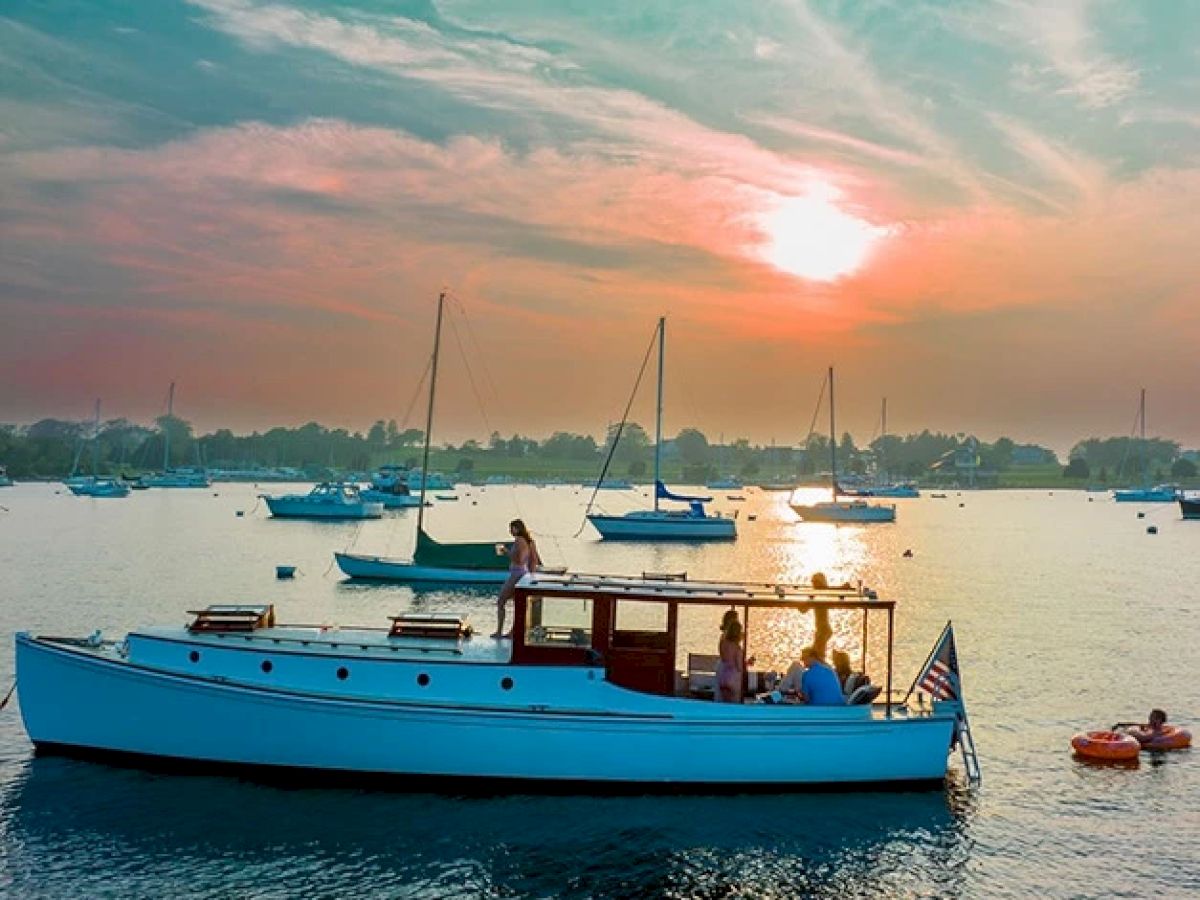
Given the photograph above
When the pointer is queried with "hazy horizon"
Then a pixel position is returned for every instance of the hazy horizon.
(986, 213)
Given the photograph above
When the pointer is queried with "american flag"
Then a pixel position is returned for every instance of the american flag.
(940, 678)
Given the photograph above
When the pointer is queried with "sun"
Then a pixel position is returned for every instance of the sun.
(813, 238)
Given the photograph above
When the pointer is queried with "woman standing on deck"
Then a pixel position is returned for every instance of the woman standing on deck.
(522, 559)
(732, 665)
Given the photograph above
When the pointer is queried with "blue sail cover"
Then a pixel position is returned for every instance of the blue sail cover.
(660, 491)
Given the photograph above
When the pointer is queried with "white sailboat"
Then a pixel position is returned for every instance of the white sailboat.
(182, 477)
(432, 561)
(1162, 493)
(93, 485)
(658, 524)
(883, 487)
(836, 510)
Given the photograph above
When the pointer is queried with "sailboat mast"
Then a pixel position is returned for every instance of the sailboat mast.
(437, 345)
(1145, 457)
(167, 429)
(832, 441)
(882, 443)
(662, 339)
(96, 442)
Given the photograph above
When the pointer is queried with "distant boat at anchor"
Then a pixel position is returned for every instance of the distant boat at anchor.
(329, 500)
(389, 486)
(836, 510)
(181, 477)
(658, 524)
(432, 561)
(1161, 493)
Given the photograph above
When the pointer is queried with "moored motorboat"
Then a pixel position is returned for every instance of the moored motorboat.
(5, 480)
(389, 486)
(575, 700)
(100, 487)
(182, 477)
(328, 500)
(1163, 493)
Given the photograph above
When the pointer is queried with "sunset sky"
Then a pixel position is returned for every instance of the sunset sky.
(987, 211)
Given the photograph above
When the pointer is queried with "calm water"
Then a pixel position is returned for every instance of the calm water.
(1068, 616)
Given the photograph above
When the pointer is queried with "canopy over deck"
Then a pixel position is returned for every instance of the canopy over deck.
(711, 593)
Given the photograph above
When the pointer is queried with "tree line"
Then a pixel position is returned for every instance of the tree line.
(53, 448)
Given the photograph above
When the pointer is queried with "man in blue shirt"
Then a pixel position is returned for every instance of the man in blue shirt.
(820, 684)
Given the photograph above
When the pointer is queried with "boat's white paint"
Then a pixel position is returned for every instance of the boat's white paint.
(660, 525)
(554, 723)
(390, 500)
(844, 511)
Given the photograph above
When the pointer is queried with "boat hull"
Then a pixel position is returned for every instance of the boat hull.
(299, 508)
(1144, 495)
(75, 702)
(380, 568)
(648, 527)
(390, 500)
(844, 512)
(1190, 508)
(100, 489)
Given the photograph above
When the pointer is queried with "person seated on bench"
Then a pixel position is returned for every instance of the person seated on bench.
(820, 684)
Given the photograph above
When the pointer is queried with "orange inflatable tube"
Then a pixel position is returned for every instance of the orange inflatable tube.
(1170, 738)
(1106, 745)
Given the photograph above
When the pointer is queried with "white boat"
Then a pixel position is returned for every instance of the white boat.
(389, 486)
(100, 487)
(724, 484)
(435, 481)
(94, 485)
(328, 500)
(1162, 493)
(182, 476)
(572, 702)
(836, 510)
(692, 523)
(432, 561)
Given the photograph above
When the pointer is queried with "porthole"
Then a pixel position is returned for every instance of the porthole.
(506, 683)
(267, 666)
(423, 680)
(194, 656)
(343, 673)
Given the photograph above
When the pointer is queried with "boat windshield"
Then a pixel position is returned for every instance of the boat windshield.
(558, 622)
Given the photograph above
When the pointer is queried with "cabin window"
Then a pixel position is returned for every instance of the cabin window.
(640, 615)
(558, 622)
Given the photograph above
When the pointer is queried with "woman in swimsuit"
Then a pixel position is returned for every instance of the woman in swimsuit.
(522, 559)
(732, 664)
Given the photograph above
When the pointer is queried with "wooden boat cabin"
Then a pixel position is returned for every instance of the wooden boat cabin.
(632, 626)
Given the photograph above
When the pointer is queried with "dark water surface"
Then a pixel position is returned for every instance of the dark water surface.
(1068, 615)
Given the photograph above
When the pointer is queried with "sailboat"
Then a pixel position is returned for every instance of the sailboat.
(182, 477)
(841, 510)
(432, 561)
(95, 486)
(1163, 493)
(657, 524)
(883, 487)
